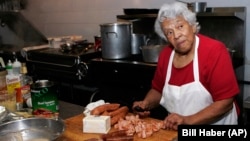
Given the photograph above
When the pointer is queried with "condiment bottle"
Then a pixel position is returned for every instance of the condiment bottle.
(9, 68)
(24, 69)
(16, 67)
(25, 79)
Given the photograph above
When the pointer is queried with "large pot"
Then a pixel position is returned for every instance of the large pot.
(116, 40)
(137, 41)
(150, 53)
(197, 6)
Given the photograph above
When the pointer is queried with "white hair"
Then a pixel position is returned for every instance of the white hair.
(172, 10)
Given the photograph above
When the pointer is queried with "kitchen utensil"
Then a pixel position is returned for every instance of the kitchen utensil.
(32, 129)
(196, 7)
(116, 40)
(137, 40)
(3, 113)
(139, 109)
(150, 53)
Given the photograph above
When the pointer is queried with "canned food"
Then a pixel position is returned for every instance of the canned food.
(98, 41)
(44, 98)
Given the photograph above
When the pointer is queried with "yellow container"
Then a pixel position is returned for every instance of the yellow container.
(13, 82)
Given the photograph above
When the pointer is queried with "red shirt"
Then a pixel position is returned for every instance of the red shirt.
(215, 70)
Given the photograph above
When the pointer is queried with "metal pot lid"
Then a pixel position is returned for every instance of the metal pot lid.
(42, 84)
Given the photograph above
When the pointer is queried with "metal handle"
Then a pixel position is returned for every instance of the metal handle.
(82, 70)
(51, 63)
(107, 33)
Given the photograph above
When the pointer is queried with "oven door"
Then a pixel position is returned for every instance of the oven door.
(52, 64)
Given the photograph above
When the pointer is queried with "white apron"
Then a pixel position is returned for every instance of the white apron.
(192, 97)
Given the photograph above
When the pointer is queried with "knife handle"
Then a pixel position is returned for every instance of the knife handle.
(138, 109)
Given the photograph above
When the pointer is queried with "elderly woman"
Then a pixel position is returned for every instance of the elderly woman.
(194, 79)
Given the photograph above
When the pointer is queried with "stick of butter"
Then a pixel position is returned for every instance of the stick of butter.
(96, 124)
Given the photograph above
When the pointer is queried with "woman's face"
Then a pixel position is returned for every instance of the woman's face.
(180, 34)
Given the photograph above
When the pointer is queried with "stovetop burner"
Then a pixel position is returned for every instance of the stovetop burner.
(57, 56)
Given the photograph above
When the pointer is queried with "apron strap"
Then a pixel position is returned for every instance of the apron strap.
(195, 62)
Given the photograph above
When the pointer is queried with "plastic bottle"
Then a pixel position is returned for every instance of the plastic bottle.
(9, 68)
(16, 67)
(26, 79)
(24, 69)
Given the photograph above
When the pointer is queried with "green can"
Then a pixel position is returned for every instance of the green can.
(44, 98)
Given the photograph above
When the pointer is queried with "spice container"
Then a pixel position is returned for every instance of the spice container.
(3, 74)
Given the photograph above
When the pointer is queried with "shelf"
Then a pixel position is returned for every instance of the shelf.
(238, 12)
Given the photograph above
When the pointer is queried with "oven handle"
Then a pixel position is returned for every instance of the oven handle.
(51, 63)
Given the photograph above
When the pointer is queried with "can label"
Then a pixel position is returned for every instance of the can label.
(44, 99)
(22, 95)
(13, 82)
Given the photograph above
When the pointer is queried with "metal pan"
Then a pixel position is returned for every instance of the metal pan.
(3, 115)
(32, 129)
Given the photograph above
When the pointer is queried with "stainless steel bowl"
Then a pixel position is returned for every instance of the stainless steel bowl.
(31, 129)
(3, 115)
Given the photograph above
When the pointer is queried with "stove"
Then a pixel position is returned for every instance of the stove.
(57, 64)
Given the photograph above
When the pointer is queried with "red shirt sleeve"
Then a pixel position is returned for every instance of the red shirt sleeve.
(216, 69)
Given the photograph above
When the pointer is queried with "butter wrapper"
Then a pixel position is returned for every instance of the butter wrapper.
(96, 124)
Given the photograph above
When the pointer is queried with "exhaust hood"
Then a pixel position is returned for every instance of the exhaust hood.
(16, 32)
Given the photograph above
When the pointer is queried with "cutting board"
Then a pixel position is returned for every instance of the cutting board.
(74, 132)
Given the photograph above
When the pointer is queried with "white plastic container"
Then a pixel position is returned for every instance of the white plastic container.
(9, 68)
(16, 67)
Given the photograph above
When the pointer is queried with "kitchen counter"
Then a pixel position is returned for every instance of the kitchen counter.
(74, 132)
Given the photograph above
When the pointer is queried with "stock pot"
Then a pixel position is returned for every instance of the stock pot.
(116, 40)
(150, 53)
(137, 41)
(196, 6)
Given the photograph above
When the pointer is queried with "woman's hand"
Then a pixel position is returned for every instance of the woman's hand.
(173, 120)
(141, 108)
